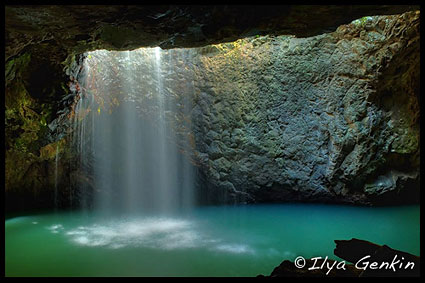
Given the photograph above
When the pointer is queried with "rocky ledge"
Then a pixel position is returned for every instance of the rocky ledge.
(74, 29)
(329, 117)
(365, 259)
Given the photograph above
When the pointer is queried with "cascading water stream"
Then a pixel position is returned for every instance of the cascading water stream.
(162, 153)
(56, 177)
(126, 135)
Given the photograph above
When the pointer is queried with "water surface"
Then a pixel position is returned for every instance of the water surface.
(244, 240)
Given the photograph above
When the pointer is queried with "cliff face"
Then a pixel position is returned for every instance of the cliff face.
(31, 144)
(333, 117)
(73, 29)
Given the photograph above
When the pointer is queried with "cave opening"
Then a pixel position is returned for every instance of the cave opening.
(214, 160)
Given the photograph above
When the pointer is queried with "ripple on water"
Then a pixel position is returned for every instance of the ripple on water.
(223, 241)
(234, 248)
(55, 228)
(158, 233)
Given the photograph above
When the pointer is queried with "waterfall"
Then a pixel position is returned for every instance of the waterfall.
(126, 132)
(56, 177)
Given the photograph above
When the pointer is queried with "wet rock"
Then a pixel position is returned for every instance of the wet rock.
(79, 28)
(360, 258)
(309, 116)
(333, 117)
(364, 253)
(288, 269)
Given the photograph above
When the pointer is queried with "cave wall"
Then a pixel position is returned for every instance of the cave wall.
(31, 142)
(334, 117)
(74, 29)
(350, 97)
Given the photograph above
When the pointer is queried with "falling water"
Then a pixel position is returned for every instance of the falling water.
(56, 177)
(126, 135)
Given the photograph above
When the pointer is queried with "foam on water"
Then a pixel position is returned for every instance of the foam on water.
(215, 241)
(154, 232)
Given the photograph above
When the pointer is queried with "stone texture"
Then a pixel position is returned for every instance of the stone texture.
(333, 117)
(312, 118)
(78, 28)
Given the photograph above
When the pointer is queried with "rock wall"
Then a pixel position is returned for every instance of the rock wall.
(333, 117)
(74, 29)
(31, 140)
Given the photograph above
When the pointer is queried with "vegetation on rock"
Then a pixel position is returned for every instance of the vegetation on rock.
(334, 117)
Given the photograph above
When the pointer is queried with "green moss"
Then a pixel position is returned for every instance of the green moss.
(14, 67)
(22, 122)
(407, 142)
(26, 129)
(50, 151)
(362, 21)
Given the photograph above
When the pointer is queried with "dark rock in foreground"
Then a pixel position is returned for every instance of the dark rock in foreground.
(288, 269)
(356, 250)
(366, 260)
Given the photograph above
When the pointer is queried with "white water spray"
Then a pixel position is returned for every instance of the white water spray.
(137, 162)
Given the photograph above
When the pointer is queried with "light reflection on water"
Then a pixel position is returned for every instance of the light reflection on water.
(211, 241)
(154, 232)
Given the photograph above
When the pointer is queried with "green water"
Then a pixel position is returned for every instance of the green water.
(211, 241)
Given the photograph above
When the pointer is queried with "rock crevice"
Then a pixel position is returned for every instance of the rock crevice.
(332, 117)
